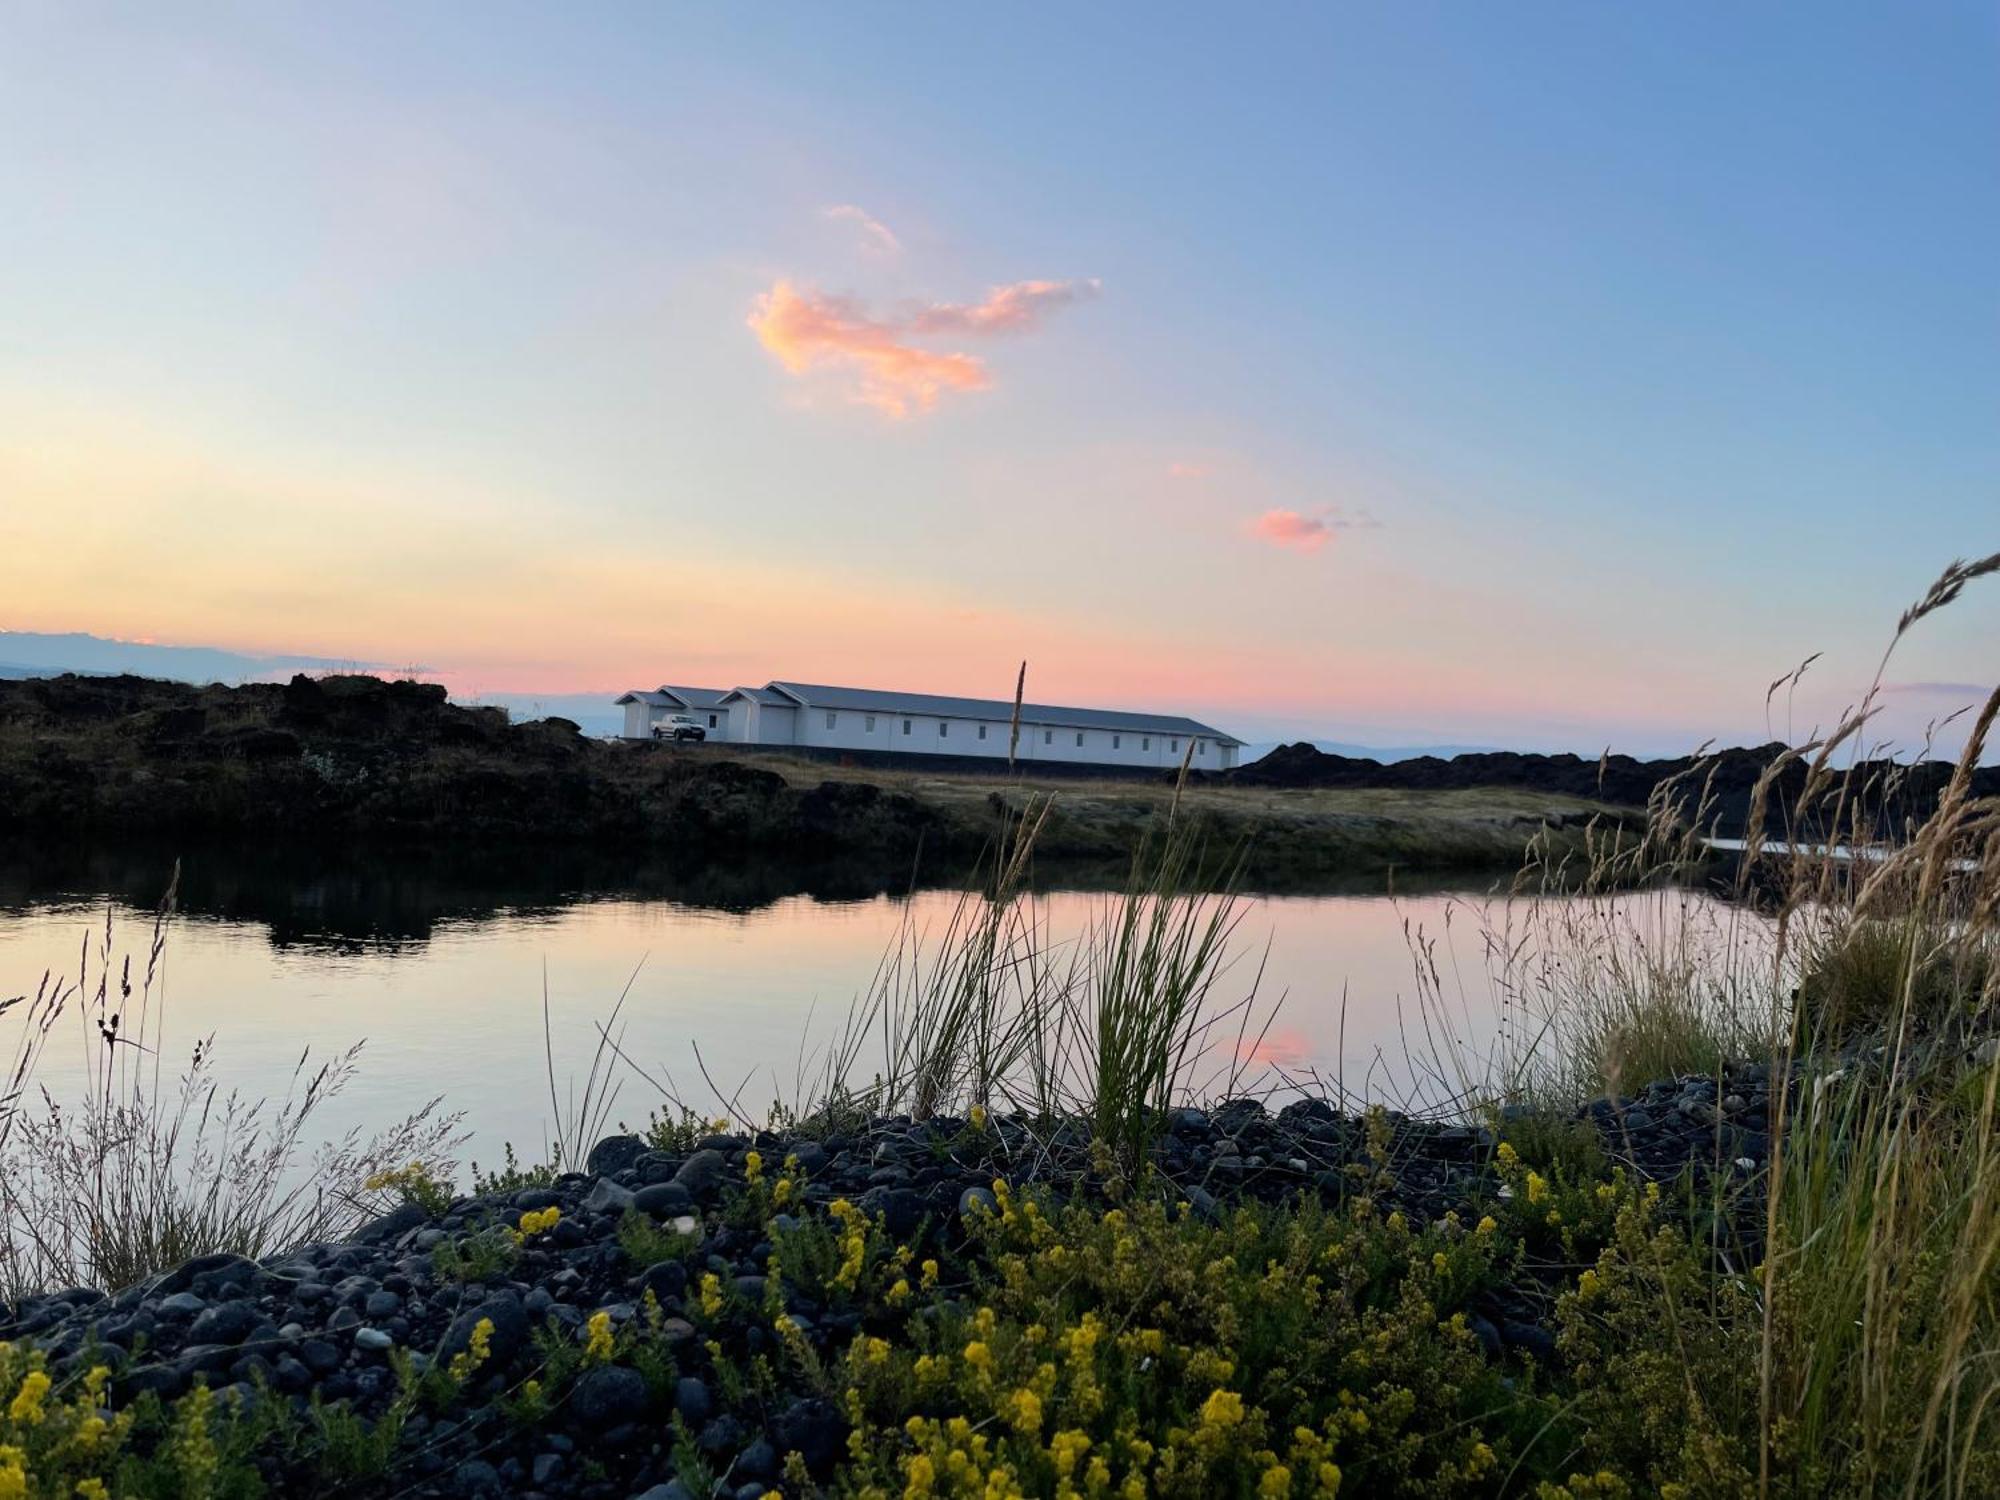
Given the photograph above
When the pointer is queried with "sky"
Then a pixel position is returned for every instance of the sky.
(1552, 375)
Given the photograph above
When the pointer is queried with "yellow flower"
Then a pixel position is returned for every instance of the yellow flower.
(1397, 1222)
(26, 1407)
(1486, 1225)
(1065, 1448)
(1222, 1409)
(597, 1345)
(92, 1489)
(753, 1166)
(978, 1355)
(1538, 1187)
(1588, 1286)
(1275, 1482)
(1025, 1412)
(930, 1274)
(781, 1192)
(538, 1220)
(875, 1352)
(478, 1347)
(1507, 1158)
(898, 1294)
(978, 1113)
(711, 1294)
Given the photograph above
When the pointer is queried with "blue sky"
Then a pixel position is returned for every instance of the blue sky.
(1605, 360)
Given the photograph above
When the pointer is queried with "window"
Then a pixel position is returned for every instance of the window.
(870, 723)
(1146, 743)
(1116, 741)
(1173, 747)
(906, 726)
(1201, 747)
(943, 729)
(982, 731)
(1048, 736)
(831, 719)
(711, 721)
(1079, 739)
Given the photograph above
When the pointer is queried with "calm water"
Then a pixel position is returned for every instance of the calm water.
(440, 969)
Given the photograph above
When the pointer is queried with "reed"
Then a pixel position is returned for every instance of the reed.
(143, 1169)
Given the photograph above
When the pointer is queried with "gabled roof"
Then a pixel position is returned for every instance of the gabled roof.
(695, 697)
(1042, 715)
(765, 695)
(674, 697)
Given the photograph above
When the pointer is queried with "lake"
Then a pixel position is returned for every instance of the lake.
(440, 966)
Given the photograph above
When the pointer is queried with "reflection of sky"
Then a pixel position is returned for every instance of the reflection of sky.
(1383, 373)
(461, 1015)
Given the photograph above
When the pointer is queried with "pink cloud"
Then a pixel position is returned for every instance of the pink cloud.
(1005, 309)
(1287, 528)
(1308, 533)
(1189, 471)
(876, 237)
(808, 330)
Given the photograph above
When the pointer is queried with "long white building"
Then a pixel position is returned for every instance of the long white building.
(819, 717)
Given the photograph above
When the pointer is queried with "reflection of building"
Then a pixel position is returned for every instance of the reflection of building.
(839, 718)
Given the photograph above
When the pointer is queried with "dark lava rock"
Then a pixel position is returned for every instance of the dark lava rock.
(812, 1428)
(702, 1173)
(663, 1200)
(607, 1396)
(510, 1328)
(614, 1154)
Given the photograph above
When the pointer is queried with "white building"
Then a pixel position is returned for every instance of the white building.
(818, 717)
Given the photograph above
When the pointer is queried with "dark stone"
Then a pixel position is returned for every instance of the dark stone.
(321, 1356)
(692, 1401)
(393, 1225)
(614, 1154)
(663, 1200)
(230, 1323)
(758, 1461)
(606, 1196)
(664, 1279)
(813, 1429)
(977, 1200)
(476, 1477)
(607, 1396)
(510, 1329)
(1532, 1340)
(702, 1173)
(900, 1209)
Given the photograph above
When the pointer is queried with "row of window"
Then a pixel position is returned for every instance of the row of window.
(1048, 735)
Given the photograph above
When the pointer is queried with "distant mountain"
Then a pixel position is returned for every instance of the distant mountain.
(28, 653)
(1383, 753)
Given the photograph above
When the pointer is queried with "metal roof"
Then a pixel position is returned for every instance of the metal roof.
(763, 695)
(1041, 715)
(675, 697)
(695, 697)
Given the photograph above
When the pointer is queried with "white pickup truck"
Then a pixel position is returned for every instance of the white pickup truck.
(679, 727)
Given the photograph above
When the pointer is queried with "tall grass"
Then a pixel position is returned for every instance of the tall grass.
(142, 1168)
(1864, 972)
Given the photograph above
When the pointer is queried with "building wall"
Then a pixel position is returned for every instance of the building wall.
(849, 729)
(745, 721)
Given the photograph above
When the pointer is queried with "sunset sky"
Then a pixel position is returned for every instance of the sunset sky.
(1544, 375)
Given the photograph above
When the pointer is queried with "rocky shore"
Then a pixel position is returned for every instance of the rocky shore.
(669, 1256)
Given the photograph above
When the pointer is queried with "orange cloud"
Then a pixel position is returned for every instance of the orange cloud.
(876, 237)
(808, 330)
(1287, 528)
(1005, 309)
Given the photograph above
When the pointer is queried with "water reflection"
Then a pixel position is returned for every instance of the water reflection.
(442, 965)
